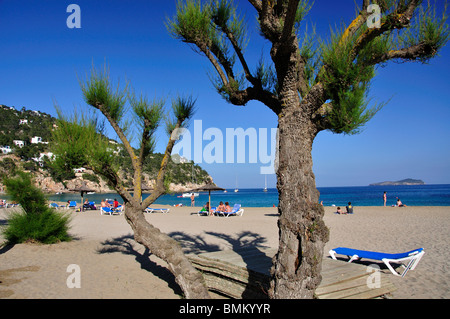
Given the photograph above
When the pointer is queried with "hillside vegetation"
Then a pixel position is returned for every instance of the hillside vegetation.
(22, 125)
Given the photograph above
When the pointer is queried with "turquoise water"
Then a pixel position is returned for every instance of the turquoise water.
(414, 195)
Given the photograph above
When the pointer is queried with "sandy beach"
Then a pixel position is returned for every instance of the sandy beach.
(112, 265)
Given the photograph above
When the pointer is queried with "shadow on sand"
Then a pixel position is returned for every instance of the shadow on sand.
(125, 245)
(191, 245)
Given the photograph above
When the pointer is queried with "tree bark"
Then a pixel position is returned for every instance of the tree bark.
(166, 248)
(302, 232)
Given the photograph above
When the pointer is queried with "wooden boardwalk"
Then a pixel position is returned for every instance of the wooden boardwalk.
(245, 274)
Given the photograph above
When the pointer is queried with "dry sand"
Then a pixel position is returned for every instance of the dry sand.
(112, 265)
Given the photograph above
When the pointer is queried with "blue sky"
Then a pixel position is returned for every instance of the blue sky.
(41, 58)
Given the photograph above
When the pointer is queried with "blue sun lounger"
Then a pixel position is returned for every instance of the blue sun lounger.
(413, 257)
(108, 211)
(156, 210)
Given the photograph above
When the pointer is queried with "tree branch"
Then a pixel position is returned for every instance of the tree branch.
(215, 63)
(396, 20)
(289, 20)
(239, 53)
(412, 53)
(120, 134)
(256, 4)
(159, 188)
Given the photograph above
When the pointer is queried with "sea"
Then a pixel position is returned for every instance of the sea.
(410, 195)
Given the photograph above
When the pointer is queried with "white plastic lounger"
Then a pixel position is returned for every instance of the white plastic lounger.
(237, 211)
(412, 256)
(157, 210)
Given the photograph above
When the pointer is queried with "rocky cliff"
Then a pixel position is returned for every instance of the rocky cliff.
(45, 182)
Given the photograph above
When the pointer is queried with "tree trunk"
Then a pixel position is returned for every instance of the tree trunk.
(166, 248)
(302, 232)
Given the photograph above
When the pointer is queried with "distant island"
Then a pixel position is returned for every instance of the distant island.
(407, 181)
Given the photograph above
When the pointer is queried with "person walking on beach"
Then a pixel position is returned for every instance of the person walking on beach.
(384, 198)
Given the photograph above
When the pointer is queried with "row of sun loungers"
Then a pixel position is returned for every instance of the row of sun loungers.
(408, 260)
(236, 211)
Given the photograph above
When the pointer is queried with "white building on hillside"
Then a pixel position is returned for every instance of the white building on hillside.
(5, 149)
(40, 159)
(36, 140)
(19, 143)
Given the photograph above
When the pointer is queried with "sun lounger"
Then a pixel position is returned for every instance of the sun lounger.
(157, 210)
(204, 212)
(236, 211)
(119, 209)
(108, 211)
(72, 204)
(55, 205)
(412, 257)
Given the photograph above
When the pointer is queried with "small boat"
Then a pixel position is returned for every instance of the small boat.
(187, 195)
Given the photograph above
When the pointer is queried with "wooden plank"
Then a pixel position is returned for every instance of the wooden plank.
(356, 288)
(244, 273)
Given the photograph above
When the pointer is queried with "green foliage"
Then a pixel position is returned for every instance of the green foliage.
(22, 191)
(191, 23)
(39, 124)
(90, 177)
(37, 222)
(346, 83)
(302, 10)
(7, 167)
(217, 31)
(49, 227)
(72, 141)
(183, 108)
(225, 17)
(266, 75)
(99, 93)
(427, 28)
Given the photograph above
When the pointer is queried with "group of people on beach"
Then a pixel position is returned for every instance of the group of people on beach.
(224, 208)
(104, 203)
(348, 209)
(399, 202)
(113, 205)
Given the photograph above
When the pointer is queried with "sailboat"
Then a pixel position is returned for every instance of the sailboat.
(265, 185)
(236, 189)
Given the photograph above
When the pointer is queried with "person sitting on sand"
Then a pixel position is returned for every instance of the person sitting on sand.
(349, 208)
(399, 203)
(228, 208)
(221, 207)
(339, 211)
